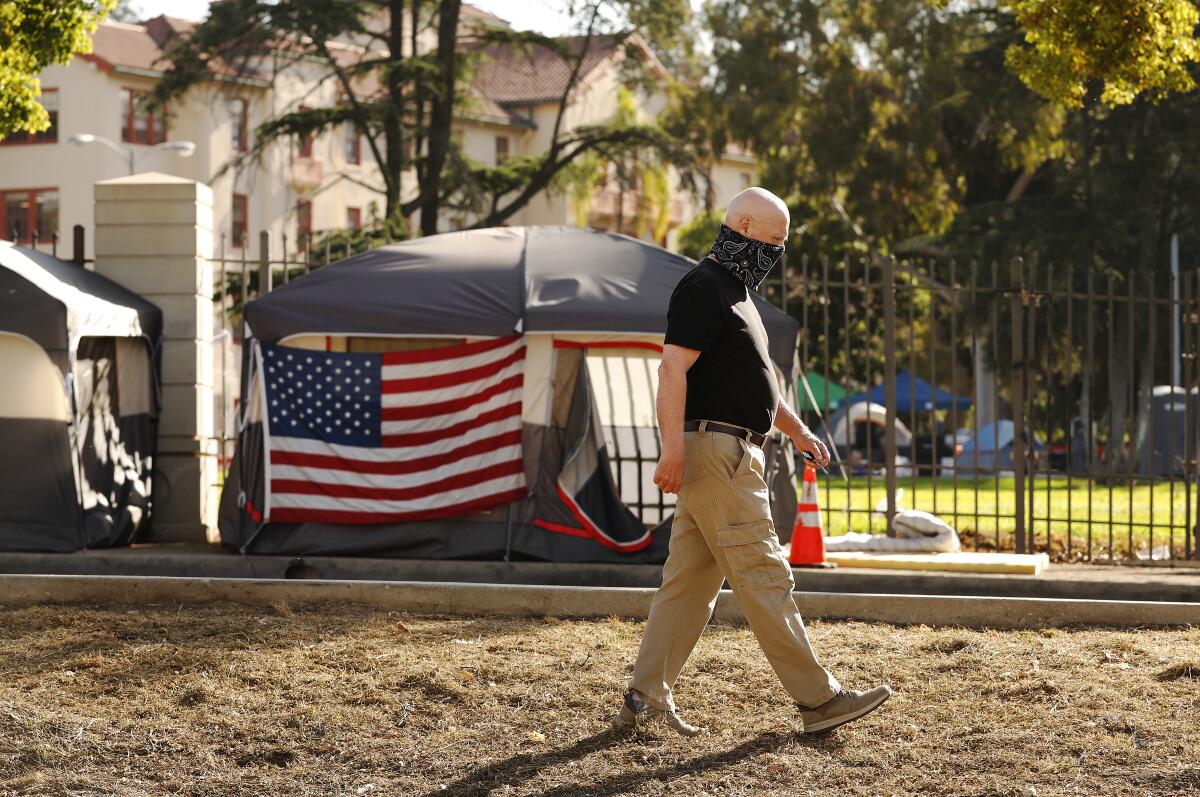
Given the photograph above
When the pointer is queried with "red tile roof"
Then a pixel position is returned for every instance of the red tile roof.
(117, 45)
(510, 74)
(507, 74)
(131, 46)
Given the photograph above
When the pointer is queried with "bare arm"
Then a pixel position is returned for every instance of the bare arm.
(672, 391)
(788, 422)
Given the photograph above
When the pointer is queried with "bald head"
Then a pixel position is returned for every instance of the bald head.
(757, 213)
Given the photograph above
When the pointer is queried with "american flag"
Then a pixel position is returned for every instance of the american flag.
(379, 438)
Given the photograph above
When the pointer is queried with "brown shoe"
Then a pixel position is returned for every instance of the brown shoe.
(843, 707)
(634, 707)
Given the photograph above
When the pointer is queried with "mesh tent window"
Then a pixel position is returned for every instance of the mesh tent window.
(625, 385)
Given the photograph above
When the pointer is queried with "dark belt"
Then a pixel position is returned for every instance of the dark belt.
(724, 428)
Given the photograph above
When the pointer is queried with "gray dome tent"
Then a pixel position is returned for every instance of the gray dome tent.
(79, 435)
(568, 326)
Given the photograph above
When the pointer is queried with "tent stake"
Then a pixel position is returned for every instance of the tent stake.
(508, 534)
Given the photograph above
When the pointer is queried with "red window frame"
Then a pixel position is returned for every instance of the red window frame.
(502, 145)
(239, 219)
(30, 217)
(303, 221)
(47, 136)
(354, 218)
(156, 124)
(305, 147)
(241, 124)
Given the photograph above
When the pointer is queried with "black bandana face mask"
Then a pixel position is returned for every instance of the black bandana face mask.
(745, 258)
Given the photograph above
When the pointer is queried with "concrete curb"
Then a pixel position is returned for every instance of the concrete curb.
(515, 600)
(1178, 586)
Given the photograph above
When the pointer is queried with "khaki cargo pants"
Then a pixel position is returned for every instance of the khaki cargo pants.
(723, 530)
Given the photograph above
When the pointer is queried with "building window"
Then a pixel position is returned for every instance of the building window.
(49, 101)
(306, 140)
(353, 145)
(240, 121)
(354, 218)
(501, 149)
(746, 179)
(27, 212)
(239, 216)
(138, 125)
(303, 222)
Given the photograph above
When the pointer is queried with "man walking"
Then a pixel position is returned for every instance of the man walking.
(717, 399)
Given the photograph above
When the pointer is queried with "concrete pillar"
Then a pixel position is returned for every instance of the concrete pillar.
(154, 235)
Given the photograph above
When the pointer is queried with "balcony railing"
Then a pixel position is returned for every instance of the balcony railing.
(606, 201)
(307, 172)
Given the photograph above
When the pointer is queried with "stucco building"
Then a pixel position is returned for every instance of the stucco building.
(300, 187)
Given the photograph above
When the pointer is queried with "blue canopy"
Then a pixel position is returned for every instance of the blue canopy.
(913, 392)
(998, 436)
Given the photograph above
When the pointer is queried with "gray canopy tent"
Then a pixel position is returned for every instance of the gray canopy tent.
(588, 309)
(79, 434)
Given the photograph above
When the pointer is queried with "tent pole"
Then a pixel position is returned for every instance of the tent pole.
(508, 533)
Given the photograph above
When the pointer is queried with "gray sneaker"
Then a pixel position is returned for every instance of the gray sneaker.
(843, 707)
(634, 707)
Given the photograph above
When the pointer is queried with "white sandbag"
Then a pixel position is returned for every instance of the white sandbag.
(916, 532)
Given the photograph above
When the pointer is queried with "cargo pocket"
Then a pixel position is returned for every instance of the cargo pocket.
(753, 554)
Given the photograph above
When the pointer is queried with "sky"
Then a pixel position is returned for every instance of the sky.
(542, 15)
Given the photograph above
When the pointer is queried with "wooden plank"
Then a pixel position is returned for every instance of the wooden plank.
(968, 562)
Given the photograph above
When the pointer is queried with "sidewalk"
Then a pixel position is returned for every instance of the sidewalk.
(523, 600)
(1077, 582)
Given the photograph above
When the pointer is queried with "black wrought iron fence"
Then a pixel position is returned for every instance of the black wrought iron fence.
(1031, 407)
(626, 383)
(52, 243)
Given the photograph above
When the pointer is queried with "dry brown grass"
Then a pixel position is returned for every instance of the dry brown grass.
(230, 700)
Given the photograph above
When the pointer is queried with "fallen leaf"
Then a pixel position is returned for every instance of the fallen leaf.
(535, 736)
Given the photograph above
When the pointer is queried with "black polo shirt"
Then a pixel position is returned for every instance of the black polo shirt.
(732, 380)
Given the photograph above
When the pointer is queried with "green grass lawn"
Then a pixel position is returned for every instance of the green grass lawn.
(983, 512)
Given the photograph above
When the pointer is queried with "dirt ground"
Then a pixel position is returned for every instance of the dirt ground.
(227, 700)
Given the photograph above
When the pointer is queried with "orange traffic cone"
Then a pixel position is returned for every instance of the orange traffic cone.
(808, 541)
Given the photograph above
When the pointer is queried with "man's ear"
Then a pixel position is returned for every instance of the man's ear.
(743, 226)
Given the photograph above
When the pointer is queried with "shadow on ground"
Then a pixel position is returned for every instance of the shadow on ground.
(515, 770)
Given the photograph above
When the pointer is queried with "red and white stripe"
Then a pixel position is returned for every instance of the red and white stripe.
(451, 424)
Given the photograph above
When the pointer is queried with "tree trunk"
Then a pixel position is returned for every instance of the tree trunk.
(393, 127)
(440, 114)
(418, 140)
(1149, 238)
(620, 204)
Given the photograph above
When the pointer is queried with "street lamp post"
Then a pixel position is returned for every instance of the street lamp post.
(185, 148)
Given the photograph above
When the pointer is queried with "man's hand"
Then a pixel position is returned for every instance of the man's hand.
(788, 422)
(805, 440)
(669, 473)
